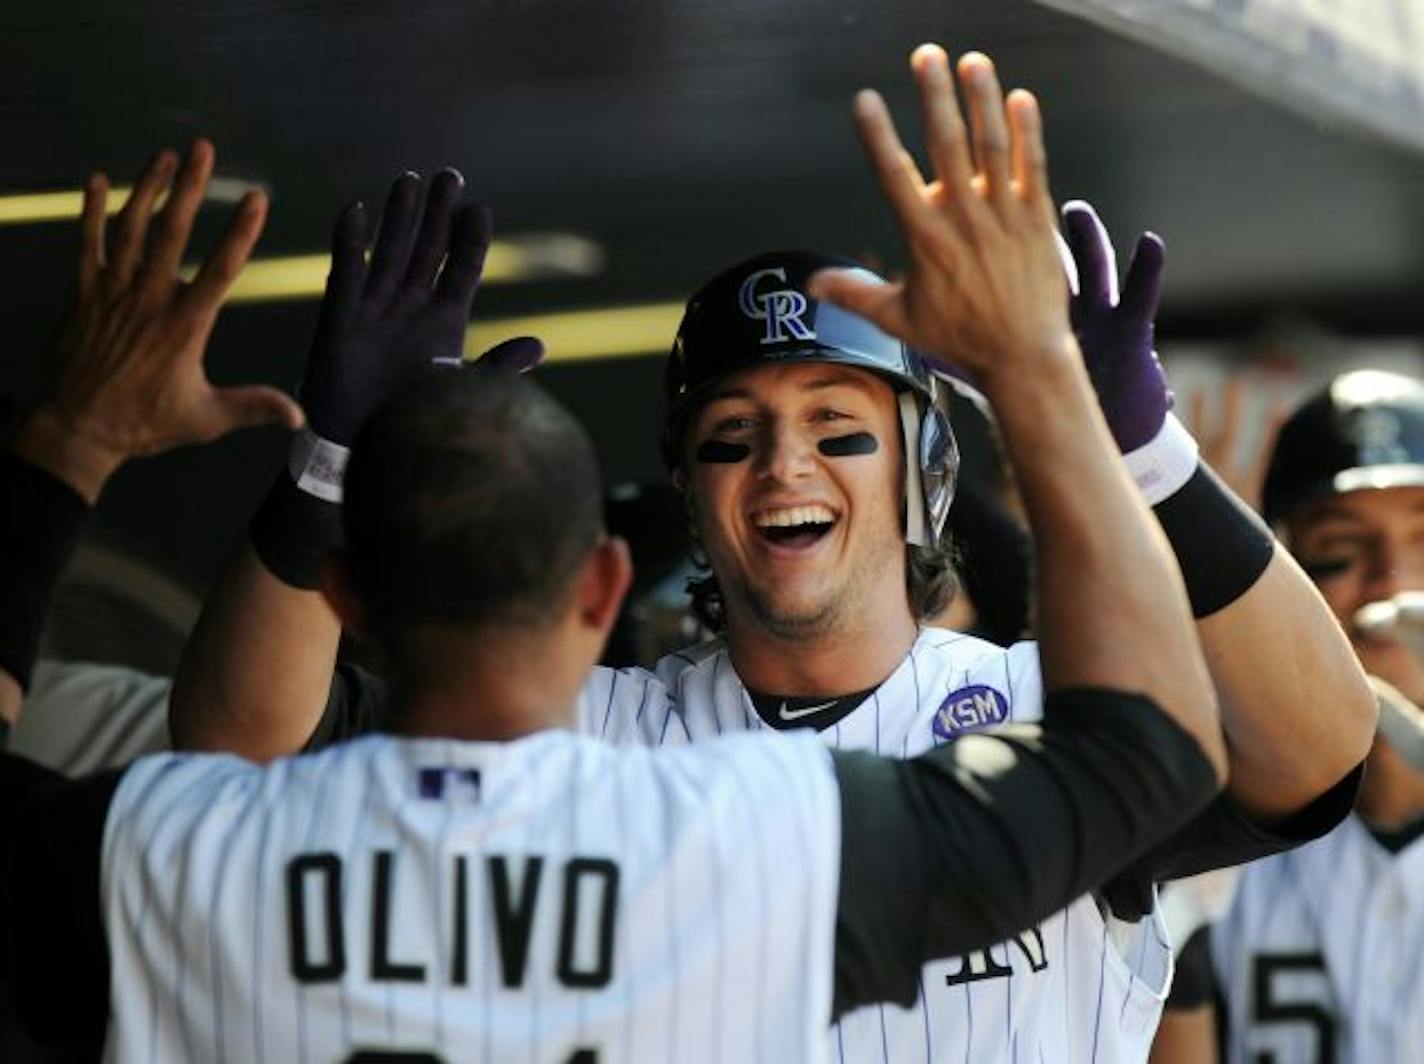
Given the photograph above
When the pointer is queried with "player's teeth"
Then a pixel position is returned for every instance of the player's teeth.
(794, 515)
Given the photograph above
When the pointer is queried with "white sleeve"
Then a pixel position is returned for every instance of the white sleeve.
(80, 717)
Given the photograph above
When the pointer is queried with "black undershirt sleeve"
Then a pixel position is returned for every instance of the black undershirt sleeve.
(1221, 836)
(1194, 982)
(355, 705)
(54, 962)
(963, 846)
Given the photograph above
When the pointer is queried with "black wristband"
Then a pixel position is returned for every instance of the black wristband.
(40, 524)
(292, 531)
(1222, 545)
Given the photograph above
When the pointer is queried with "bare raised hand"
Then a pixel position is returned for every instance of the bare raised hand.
(128, 376)
(984, 288)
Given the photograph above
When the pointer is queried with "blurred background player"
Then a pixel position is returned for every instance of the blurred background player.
(1320, 955)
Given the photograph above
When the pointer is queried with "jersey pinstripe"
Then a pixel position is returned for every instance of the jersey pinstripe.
(1081, 987)
(553, 899)
(1321, 955)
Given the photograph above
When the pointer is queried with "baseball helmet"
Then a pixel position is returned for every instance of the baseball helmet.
(758, 313)
(1364, 430)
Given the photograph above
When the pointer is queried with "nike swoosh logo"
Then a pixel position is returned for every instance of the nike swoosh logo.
(804, 711)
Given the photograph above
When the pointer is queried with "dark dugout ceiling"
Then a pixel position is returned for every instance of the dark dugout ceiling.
(667, 139)
(680, 134)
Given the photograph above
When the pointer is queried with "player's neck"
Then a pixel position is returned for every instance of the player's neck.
(841, 659)
(485, 690)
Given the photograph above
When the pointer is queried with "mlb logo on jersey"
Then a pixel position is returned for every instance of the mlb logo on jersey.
(970, 709)
(446, 780)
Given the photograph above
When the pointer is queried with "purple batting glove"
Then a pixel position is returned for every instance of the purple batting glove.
(1116, 334)
(385, 323)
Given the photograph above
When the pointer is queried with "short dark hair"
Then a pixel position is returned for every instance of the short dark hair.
(470, 500)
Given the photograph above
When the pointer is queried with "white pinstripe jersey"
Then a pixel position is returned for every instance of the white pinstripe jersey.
(553, 899)
(1077, 988)
(1321, 954)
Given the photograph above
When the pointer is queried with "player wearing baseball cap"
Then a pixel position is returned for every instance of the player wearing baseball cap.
(1319, 955)
(479, 882)
(799, 445)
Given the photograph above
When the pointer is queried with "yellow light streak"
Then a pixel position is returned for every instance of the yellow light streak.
(576, 335)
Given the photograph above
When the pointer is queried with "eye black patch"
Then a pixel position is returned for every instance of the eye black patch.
(844, 446)
(1325, 568)
(721, 451)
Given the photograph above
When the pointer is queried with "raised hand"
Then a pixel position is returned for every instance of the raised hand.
(1243, 473)
(384, 323)
(128, 376)
(984, 285)
(1116, 334)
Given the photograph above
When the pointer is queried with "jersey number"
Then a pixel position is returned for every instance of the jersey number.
(1273, 1007)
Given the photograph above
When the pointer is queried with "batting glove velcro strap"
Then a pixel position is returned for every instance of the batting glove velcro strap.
(1222, 545)
(318, 466)
(1164, 464)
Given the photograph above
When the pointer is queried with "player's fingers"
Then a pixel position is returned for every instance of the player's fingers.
(91, 233)
(1142, 291)
(434, 238)
(175, 221)
(348, 259)
(393, 241)
(469, 243)
(226, 261)
(250, 406)
(518, 354)
(1229, 424)
(1410, 605)
(1028, 156)
(944, 128)
(131, 226)
(1261, 460)
(888, 158)
(880, 303)
(1092, 252)
(1196, 420)
(990, 131)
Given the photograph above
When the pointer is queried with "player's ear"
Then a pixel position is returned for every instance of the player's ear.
(340, 595)
(606, 577)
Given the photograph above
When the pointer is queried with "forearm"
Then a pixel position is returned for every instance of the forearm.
(1296, 708)
(257, 668)
(1186, 1036)
(1112, 611)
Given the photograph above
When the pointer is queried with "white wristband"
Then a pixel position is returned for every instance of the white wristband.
(318, 466)
(1164, 463)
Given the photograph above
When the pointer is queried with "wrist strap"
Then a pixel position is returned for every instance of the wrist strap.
(40, 525)
(1165, 463)
(292, 531)
(1222, 545)
(318, 466)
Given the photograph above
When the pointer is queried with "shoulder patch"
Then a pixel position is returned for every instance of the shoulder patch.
(970, 709)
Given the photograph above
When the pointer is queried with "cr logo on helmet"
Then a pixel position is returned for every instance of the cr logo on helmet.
(782, 307)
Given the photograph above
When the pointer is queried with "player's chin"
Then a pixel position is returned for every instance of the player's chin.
(791, 609)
